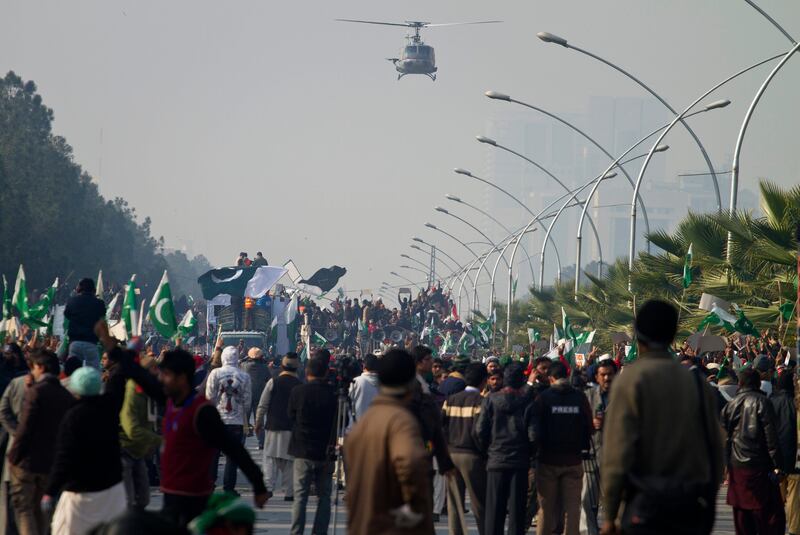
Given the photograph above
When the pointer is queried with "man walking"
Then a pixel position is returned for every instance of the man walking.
(32, 454)
(562, 423)
(312, 412)
(599, 398)
(229, 389)
(83, 311)
(459, 414)
(505, 430)
(388, 485)
(754, 460)
(255, 365)
(274, 407)
(640, 445)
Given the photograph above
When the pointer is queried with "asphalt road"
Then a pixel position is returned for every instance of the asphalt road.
(276, 517)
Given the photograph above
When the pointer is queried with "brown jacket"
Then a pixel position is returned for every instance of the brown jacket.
(653, 428)
(44, 407)
(387, 466)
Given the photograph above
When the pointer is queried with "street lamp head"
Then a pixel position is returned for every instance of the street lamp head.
(442, 210)
(487, 140)
(431, 225)
(612, 174)
(460, 171)
(496, 95)
(717, 104)
(394, 273)
(403, 255)
(406, 267)
(418, 240)
(417, 247)
(550, 38)
(453, 198)
(662, 148)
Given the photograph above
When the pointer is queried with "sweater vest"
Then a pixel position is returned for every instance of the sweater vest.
(186, 459)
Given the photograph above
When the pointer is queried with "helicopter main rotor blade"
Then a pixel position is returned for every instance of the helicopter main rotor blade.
(461, 23)
(403, 24)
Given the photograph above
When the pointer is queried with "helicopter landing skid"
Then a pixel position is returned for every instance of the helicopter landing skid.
(429, 75)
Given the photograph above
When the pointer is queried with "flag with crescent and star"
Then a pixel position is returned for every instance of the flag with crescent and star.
(162, 311)
(253, 281)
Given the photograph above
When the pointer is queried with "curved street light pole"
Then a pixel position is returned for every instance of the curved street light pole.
(439, 249)
(772, 21)
(494, 95)
(399, 276)
(632, 238)
(550, 38)
(573, 197)
(500, 223)
(464, 172)
(494, 143)
(479, 231)
(629, 149)
(740, 139)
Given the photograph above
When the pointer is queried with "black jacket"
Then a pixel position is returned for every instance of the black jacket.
(87, 457)
(459, 415)
(429, 416)
(277, 411)
(46, 403)
(505, 429)
(312, 412)
(453, 384)
(83, 311)
(749, 421)
(785, 428)
(562, 421)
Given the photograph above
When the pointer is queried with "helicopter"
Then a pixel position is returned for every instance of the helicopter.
(416, 57)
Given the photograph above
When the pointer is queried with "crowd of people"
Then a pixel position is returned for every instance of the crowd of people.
(407, 430)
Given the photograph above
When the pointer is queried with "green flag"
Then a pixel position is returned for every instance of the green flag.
(566, 326)
(632, 352)
(463, 344)
(744, 325)
(187, 324)
(687, 268)
(162, 310)
(482, 331)
(319, 340)
(533, 335)
(20, 301)
(303, 355)
(6, 300)
(42, 307)
(723, 369)
(718, 318)
(128, 313)
(584, 337)
(787, 310)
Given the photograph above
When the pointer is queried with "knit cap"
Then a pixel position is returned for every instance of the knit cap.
(86, 382)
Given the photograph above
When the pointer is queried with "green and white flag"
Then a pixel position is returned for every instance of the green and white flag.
(6, 300)
(533, 335)
(40, 309)
(162, 310)
(19, 299)
(687, 268)
(303, 357)
(129, 310)
(631, 352)
(744, 325)
(253, 281)
(584, 337)
(187, 324)
(290, 315)
(482, 332)
(319, 340)
(464, 343)
(718, 318)
(566, 326)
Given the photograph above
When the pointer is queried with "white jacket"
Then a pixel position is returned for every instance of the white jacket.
(229, 389)
(363, 391)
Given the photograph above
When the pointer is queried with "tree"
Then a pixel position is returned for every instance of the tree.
(52, 217)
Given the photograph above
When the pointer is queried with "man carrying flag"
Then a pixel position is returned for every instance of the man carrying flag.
(82, 312)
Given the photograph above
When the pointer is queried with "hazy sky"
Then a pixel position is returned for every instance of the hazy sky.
(263, 125)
